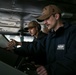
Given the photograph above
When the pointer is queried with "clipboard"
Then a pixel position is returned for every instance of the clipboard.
(3, 41)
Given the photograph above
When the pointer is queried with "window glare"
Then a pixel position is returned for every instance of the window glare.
(18, 38)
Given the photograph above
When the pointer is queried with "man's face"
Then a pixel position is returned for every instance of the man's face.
(32, 31)
(50, 22)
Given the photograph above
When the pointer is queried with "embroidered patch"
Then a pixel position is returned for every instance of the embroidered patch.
(61, 47)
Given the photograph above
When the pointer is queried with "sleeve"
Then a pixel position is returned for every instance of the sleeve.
(31, 48)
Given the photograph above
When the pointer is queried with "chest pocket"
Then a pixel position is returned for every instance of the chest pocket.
(60, 47)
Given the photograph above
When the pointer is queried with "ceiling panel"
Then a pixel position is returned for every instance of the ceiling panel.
(32, 8)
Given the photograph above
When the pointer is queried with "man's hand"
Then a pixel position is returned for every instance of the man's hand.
(41, 70)
(13, 43)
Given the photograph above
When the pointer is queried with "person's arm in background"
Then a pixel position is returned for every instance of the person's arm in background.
(28, 48)
(13, 43)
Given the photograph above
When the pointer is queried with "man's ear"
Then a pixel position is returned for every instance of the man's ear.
(57, 16)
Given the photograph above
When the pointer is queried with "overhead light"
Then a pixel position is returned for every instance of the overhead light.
(35, 15)
(66, 15)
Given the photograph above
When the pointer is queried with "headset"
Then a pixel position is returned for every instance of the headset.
(39, 27)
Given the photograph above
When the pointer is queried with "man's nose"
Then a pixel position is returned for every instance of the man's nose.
(45, 22)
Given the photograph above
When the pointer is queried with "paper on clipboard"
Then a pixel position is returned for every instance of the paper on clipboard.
(3, 41)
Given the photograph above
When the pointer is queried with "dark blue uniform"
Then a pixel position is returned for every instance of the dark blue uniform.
(60, 49)
(39, 58)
